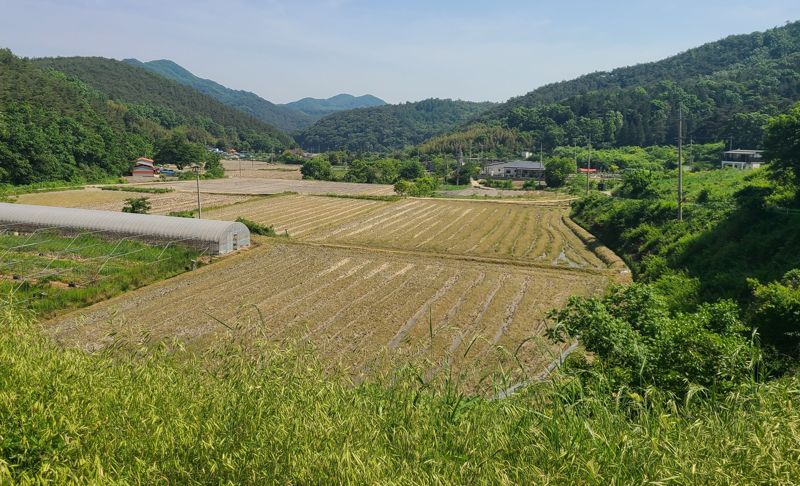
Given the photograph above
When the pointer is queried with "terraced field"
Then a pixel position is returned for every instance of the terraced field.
(259, 186)
(92, 198)
(299, 215)
(363, 309)
(254, 169)
(528, 232)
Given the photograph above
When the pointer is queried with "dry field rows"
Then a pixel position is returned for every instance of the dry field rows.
(299, 215)
(510, 231)
(254, 169)
(361, 309)
(533, 233)
(93, 198)
(258, 186)
(448, 284)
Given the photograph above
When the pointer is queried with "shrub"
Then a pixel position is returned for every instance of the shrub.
(317, 168)
(420, 187)
(775, 312)
(139, 205)
(558, 169)
(638, 343)
(257, 228)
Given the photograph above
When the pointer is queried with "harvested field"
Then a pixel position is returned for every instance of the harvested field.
(367, 310)
(92, 198)
(253, 169)
(524, 232)
(299, 215)
(256, 186)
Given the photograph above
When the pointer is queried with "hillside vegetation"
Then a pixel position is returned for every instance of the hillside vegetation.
(727, 89)
(285, 118)
(318, 108)
(169, 103)
(56, 129)
(388, 127)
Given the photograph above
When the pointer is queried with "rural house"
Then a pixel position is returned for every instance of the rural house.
(516, 169)
(144, 167)
(742, 159)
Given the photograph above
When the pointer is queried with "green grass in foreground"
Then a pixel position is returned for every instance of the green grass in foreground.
(50, 272)
(144, 418)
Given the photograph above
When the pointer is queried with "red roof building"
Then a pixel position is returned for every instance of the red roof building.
(144, 167)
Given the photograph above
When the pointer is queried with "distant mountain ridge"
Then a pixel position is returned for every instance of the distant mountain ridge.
(388, 127)
(168, 102)
(727, 90)
(317, 107)
(282, 117)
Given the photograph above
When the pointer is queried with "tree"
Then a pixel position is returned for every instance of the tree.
(782, 146)
(776, 312)
(138, 205)
(317, 168)
(177, 150)
(637, 184)
(557, 170)
(411, 169)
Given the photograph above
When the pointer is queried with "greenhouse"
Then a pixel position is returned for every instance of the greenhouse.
(216, 237)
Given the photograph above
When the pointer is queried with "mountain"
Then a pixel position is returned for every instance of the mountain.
(727, 89)
(169, 103)
(388, 127)
(57, 128)
(285, 118)
(319, 108)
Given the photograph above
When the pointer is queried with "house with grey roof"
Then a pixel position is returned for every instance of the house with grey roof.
(515, 169)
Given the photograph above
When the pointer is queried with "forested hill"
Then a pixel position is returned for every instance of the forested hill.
(727, 88)
(319, 108)
(171, 103)
(285, 118)
(388, 127)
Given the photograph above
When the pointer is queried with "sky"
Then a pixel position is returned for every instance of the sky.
(400, 51)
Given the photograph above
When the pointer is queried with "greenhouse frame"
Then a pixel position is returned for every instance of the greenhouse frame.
(216, 237)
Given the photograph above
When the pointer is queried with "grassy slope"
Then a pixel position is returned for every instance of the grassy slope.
(69, 416)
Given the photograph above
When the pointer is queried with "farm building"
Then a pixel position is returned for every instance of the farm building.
(144, 167)
(742, 159)
(516, 169)
(217, 237)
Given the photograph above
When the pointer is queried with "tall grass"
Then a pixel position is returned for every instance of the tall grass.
(135, 416)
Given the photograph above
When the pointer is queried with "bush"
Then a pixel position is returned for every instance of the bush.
(558, 169)
(256, 228)
(420, 187)
(499, 183)
(139, 205)
(317, 168)
(776, 312)
(638, 343)
(637, 184)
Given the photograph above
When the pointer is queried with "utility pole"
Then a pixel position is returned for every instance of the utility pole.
(541, 153)
(680, 163)
(196, 169)
(588, 166)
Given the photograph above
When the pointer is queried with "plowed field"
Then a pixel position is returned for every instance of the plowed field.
(114, 200)
(259, 186)
(299, 215)
(360, 308)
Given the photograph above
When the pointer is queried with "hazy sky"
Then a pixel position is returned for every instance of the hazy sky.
(397, 50)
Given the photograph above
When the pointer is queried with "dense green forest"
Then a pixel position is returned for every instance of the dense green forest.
(727, 91)
(388, 127)
(285, 118)
(318, 108)
(55, 127)
(169, 103)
